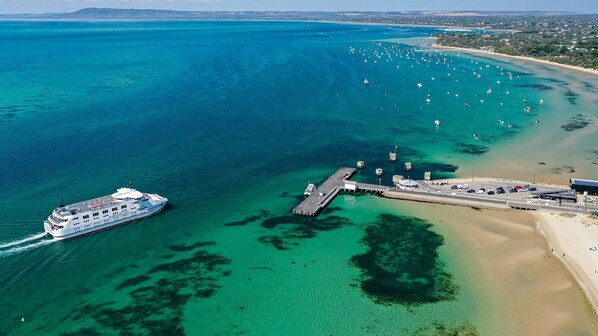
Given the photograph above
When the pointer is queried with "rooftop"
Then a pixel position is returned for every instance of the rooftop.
(584, 182)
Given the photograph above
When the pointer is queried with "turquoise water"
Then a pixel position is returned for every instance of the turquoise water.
(229, 120)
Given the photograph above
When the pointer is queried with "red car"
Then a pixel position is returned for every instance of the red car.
(518, 187)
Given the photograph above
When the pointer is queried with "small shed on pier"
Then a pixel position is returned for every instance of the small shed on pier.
(350, 185)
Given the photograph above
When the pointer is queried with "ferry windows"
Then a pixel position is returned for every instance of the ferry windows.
(115, 208)
(85, 216)
(105, 211)
(96, 214)
(123, 206)
(75, 218)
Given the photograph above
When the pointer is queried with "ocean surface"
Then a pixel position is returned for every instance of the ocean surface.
(230, 121)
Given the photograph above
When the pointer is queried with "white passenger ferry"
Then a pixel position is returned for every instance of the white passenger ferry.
(126, 204)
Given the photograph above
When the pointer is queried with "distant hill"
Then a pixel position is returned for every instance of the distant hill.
(352, 16)
(114, 13)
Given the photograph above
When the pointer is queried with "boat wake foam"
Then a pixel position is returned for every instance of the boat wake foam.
(21, 241)
(25, 244)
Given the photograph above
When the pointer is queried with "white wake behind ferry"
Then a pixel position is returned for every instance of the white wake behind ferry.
(126, 204)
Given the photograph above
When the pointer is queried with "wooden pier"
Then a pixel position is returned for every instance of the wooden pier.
(324, 194)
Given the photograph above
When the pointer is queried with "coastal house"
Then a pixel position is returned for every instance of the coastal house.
(582, 185)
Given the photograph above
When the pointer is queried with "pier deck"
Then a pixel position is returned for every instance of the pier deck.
(373, 188)
(329, 189)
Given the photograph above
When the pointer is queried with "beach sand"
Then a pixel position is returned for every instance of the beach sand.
(429, 42)
(523, 58)
(506, 252)
(520, 253)
(571, 236)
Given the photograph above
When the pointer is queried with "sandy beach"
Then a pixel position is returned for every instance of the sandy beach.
(505, 251)
(571, 238)
(523, 58)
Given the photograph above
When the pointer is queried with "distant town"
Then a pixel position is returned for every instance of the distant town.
(566, 38)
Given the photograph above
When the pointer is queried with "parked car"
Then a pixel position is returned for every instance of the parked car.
(500, 191)
(490, 192)
(471, 191)
(533, 189)
(454, 186)
(480, 191)
(513, 190)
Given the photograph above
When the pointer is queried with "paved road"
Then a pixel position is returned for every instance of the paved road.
(519, 200)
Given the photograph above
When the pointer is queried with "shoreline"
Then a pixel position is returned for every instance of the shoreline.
(544, 299)
(565, 233)
(419, 25)
(522, 58)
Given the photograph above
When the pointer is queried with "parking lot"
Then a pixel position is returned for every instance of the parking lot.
(498, 191)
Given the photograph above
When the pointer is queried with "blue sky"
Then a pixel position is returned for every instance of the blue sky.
(45, 6)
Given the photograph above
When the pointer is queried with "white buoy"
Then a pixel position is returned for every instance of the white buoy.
(437, 122)
(379, 171)
(22, 319)
(360, 164)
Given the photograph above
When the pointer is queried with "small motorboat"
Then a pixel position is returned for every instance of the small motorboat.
(476, 136)
(437, 122)
(310, 189)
